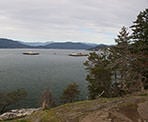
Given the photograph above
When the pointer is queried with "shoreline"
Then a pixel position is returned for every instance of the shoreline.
(18, 113)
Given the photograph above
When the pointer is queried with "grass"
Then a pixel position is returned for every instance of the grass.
(143, 94)
(77, 110)
(59, 113)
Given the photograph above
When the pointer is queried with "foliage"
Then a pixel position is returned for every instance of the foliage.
(47, 99)
(99, 76)
(70, 93)
(140, 45)
(121, 62)
(122, 68)
(10, 98)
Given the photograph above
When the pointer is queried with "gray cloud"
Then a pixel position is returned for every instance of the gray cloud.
(61, 20)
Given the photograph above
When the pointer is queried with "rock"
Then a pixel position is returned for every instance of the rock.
(143, 110)
(17, 113)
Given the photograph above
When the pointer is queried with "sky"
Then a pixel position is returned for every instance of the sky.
(89, 21)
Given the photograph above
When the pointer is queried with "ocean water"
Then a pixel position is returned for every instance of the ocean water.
(52, 69)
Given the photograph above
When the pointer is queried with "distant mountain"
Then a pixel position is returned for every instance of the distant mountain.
(68, 45)
(100, 46)
(8, 43)
(36, 44)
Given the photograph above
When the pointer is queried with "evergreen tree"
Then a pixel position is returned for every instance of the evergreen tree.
(121, 62)
(124, 68)
(99, 76)
(11, 98)
(70, 93)
(140, 30)
(140, 46)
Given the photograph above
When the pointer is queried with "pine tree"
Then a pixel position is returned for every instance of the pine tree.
(140, 29)
(119, 60)
(140, 45)
(124, 68)
(70, 93)
(99, 76)
(121, 63)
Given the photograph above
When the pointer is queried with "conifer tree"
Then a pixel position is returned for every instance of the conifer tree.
(99, 76)
(124, 68)
(70, 93)
(140, 46)
(121, 62)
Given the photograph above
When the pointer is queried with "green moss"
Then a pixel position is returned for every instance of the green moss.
(44, 116)
(128, 105)
(143, 94)
(18, 120)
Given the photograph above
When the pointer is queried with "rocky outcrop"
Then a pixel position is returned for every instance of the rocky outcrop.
(131, 108)
(134, 109)
(17, 113)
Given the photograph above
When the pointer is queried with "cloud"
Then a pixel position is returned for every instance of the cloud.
(60, 20)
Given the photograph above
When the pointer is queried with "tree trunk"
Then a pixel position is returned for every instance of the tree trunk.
(3, 109)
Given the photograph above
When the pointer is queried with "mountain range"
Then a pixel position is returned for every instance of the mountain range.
(9, 43)
(100, 46)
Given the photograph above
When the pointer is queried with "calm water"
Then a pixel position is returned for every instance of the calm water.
(52, 68)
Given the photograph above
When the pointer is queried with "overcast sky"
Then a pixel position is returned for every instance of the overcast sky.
(96, 21)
